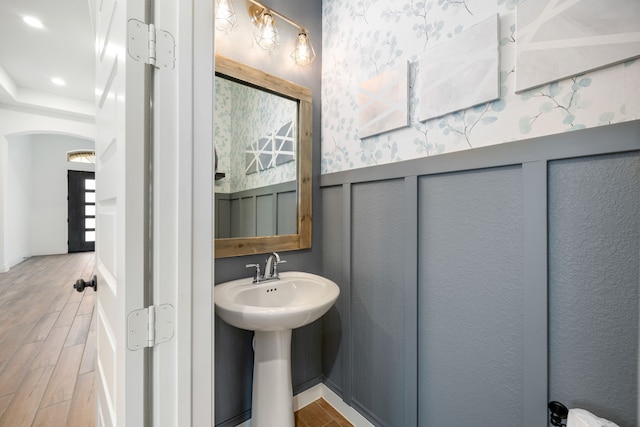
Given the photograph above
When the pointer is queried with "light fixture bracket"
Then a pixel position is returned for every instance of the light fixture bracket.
(255, 12)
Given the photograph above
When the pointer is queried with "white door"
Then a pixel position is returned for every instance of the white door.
(181, 256)
(120, 215)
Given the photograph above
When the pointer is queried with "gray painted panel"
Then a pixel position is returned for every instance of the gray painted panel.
(247, 217)
(306, 351)
(233, 371)
(236, 212)
(594, 242)
(288, 213)
(471, 299)
(265, 215)
(534, 381)
(333, 342)
(223, 218)
(411, 234)
(378, 301)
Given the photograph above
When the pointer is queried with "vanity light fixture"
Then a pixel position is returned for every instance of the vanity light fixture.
(266, 32)
(303, 53)
(267, 36)
(225, 16)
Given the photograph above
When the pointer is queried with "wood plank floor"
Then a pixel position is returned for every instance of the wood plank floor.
(47, 343)
(320, 414)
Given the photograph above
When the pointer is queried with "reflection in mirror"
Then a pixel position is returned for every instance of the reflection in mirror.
(263, 181)
(256, 141)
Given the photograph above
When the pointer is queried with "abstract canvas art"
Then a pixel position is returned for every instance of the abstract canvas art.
(284, 141)
(557, 39)
(276, 148)
(461, 72)
(383, 102)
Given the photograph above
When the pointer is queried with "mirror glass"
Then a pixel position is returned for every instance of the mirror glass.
(256, 143)
(263, 180)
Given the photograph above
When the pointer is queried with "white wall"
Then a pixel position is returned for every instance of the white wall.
(18, 198)
(14, 123)
(49, 191)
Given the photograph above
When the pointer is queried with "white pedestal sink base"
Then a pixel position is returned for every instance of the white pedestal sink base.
(272, 400)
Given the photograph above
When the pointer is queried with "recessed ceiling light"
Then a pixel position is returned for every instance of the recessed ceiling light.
(34, 22)
(58, 81)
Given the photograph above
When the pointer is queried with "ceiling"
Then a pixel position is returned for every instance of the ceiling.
(31, 57)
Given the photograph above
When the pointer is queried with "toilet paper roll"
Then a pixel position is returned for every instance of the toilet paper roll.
(582, 418)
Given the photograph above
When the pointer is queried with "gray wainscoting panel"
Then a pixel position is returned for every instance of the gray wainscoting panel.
(333, 323)
(306, 357)
(266, 216)
(470, 321)
(594, 247)
(223, 217)
(233, 374)
(378, 302)
(287, 212)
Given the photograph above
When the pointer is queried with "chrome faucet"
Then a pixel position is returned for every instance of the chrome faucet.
(271, 266)
(270, 269)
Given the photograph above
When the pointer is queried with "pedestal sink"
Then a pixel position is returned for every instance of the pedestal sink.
(272, 309)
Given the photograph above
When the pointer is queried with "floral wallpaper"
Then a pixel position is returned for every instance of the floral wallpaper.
(363, 38)
(242, 116)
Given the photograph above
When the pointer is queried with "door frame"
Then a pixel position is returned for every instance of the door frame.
(183, 216)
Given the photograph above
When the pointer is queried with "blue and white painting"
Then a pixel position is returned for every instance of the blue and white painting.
(461, 72)
(383, 102)
(274, 149)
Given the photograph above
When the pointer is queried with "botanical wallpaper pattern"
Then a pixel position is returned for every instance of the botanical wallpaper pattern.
(242, 116)
(363, 38)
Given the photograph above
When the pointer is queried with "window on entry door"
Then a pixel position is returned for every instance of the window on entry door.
(90, 210)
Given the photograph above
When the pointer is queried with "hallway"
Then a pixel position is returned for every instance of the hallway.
(47, 343)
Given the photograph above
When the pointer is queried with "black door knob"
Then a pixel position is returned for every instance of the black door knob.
(80, 284)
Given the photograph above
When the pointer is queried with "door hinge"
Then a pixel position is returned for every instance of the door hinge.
(150, 326)
(147, 44)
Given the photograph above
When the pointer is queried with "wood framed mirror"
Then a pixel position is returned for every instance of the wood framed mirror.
(290, 231)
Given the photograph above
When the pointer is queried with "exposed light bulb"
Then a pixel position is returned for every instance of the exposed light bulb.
(266, 33)
(33, 22)
(58, 81)
(303, 52)
(225, 16)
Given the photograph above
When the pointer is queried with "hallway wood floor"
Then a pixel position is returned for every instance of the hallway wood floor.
(47, 343)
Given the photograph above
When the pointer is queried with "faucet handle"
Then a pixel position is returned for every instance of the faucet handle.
(275, 267)
(256, 278)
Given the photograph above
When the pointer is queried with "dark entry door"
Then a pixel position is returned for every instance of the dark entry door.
(82, 211)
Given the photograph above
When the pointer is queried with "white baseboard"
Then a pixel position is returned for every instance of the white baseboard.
(353, 416)
(322, 391)
(8, 266)
(50, 251)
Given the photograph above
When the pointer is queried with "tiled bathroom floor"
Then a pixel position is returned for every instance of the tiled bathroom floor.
(320, 414)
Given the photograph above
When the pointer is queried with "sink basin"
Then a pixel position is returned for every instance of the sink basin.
(272, 309)
(294, 300)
